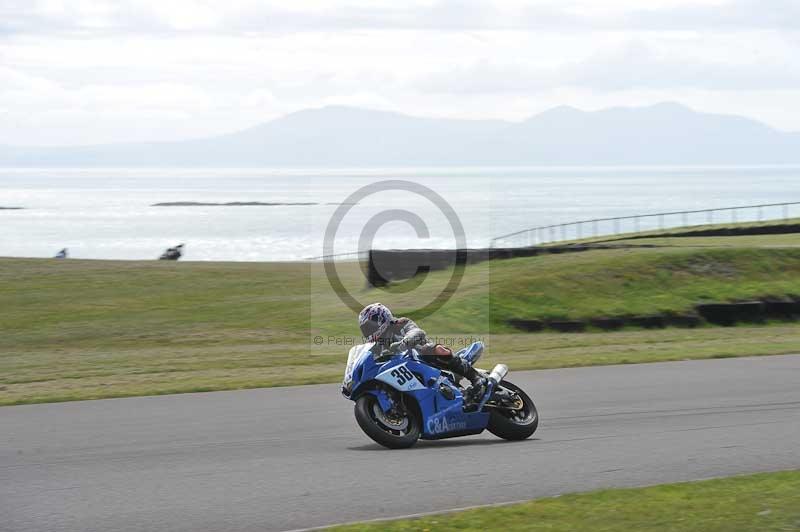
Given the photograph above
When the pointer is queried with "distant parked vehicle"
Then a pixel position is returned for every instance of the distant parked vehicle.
(172, 253)
(63, 254)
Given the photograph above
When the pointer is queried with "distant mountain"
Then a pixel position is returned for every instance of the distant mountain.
(665, 133)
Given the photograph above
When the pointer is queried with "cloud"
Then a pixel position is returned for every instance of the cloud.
(81, 18)
(31, 91)
(485, 77)
(89, 69)
(731, 15)
(633, 66)
(638, 66)
(15, 80)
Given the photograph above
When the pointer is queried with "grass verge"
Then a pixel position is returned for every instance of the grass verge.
(757, 503)
(91, 329)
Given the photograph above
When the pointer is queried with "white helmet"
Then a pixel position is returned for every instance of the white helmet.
(374, 320)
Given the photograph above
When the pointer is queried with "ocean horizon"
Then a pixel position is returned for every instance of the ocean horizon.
(111, 213)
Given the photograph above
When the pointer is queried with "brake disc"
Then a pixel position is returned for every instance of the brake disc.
(392, 422)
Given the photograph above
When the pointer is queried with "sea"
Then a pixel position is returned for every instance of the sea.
(110, 213)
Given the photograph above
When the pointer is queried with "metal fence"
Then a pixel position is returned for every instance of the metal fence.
(603, 227)
(353, 255)
(620, 225)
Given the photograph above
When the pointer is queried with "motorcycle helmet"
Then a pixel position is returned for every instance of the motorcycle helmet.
(374, 320)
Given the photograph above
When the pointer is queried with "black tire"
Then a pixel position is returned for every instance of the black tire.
(382, 433)
(518, 427)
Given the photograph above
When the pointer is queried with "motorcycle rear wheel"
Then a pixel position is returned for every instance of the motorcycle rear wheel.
(518, 425)
(399, 435)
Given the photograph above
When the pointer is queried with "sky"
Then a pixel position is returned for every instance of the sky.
(100, 71)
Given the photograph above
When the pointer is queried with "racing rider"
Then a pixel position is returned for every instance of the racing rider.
(378, 325)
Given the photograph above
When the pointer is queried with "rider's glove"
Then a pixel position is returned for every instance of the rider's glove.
(397, 347)
(414, 338)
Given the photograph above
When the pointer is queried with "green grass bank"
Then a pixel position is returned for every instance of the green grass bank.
(90, 329)
(754, 503)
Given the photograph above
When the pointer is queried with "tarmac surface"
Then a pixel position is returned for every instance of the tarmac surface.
(289, 458)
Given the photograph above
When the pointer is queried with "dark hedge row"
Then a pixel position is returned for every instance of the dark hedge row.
(726, 314)
(385, 266)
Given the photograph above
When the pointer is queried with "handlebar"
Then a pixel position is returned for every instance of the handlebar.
(396, 348)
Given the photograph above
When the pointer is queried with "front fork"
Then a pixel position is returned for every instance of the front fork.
(384, 400)
(498, 374)
(489, 391)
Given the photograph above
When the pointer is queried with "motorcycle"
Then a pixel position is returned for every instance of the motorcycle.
(172, 253)
(399, 398)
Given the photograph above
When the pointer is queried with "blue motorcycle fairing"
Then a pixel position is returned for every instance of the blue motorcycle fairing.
(400, 376)
(453, 421)
(441, 417)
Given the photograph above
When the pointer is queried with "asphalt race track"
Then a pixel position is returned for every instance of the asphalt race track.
(289, 458)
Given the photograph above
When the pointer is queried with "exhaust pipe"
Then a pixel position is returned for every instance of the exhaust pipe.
(498, 374)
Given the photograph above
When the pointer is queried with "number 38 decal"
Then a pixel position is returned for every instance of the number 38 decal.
(400, 378)
(402, 375)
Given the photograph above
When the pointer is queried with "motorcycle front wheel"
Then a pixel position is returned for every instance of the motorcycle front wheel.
(392, 431)
(514, 424)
